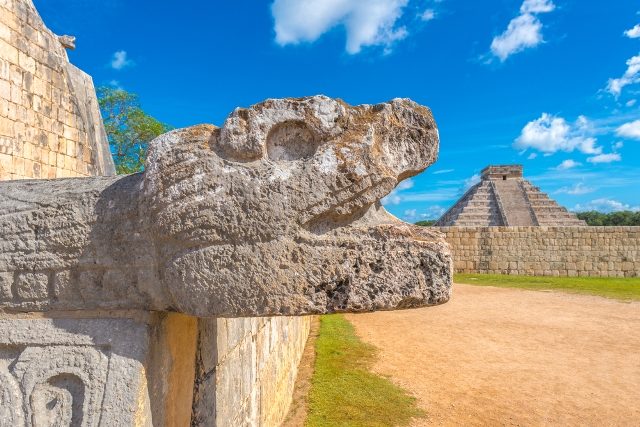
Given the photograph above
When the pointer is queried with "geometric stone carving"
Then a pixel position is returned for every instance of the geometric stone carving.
(11, 406)
(276, 213)
(87, 372)
(64, 385)
(68, 42)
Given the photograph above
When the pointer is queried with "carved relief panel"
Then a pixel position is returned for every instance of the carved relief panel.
(72, 372)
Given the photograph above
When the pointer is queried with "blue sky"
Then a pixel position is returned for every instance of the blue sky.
(551, 84)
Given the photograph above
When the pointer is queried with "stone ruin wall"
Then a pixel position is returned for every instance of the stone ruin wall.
(50, 124)
(546, 251)
(250, 366)
(50, 127)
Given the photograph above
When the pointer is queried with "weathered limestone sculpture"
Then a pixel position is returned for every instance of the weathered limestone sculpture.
(275, 213)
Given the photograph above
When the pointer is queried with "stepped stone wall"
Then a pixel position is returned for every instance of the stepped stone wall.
(546, 251)
(50, 124)
(504, 198)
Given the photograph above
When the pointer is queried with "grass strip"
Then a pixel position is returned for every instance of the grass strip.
(626, 289)
(344, 392)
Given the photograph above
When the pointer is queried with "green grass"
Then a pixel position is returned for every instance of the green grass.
(343, 390)
(627, 289)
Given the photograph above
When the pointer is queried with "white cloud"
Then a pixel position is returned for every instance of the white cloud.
(537, 6)
(618, 145)
(631, 76)
(410, 215)
(367, 22)
(523, 32)
(605, 158)
(532, 156)
(568, 164)
(428, 15)
(430, 213)
(405, 185)
(120, 60)
(470, 182)
(550, 134)
(605, 205)
(576, 190)
(633, 33)
(115, 84)
(631, 102)
(394, 198)
(629, 130)
(443, 171)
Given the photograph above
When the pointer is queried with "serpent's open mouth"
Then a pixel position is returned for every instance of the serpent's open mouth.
(349, 204)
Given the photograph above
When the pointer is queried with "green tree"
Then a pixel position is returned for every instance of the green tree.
(128, 127)
(595, 218)
(427, 223)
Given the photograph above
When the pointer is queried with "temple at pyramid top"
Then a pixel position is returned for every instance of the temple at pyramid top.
(504, 198)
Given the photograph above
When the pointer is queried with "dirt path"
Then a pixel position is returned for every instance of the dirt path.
(510, 357)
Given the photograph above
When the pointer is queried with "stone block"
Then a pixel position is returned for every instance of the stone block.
(6, 283)
(32, 286)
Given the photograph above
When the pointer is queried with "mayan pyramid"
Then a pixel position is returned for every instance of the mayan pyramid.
(504, 198)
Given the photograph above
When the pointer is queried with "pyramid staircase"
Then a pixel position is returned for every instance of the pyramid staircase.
(504, 198)
(478, 207)
(547, 211)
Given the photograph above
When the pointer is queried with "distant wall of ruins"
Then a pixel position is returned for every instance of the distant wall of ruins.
(50, 125)
(546, 251)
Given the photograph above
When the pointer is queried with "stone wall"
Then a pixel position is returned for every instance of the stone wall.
(250, 366)
(546, 251)
(50, 125)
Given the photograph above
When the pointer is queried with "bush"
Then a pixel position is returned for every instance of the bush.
(595, 218)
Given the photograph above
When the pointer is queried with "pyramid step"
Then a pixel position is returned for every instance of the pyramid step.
(550, 209)
(538, 196)
(514, 203)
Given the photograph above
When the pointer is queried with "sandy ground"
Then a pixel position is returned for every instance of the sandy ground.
(510, 357)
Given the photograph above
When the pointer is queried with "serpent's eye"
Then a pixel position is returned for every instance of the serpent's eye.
(292, 140)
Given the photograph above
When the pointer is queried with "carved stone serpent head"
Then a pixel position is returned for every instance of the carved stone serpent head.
(279, 210)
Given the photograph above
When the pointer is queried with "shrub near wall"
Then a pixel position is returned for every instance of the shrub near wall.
(546, 251)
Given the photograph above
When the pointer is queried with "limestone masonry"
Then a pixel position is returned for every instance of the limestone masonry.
(50, 124)
(546, 251)
(504, 198)
(246, 370)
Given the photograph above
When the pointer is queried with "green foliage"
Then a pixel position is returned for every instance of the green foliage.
(343, 390)
(427, 223)
(618, 288)
(614, 218)
(128, 127)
